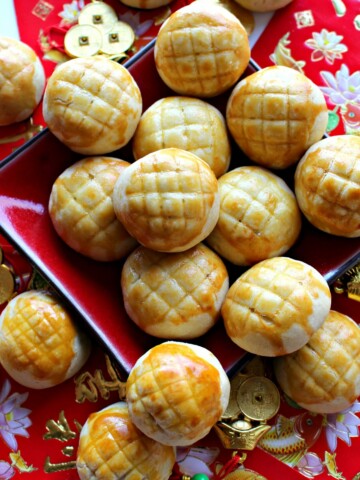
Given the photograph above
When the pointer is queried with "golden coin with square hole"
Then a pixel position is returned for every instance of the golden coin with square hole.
(82, 41)
(258, 398)
(119, 39)
(7, 284)
(98, 14)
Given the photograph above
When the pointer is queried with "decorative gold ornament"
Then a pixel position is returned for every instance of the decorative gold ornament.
(349, 283)
(7, 280)
(99, 32)
(253, 401)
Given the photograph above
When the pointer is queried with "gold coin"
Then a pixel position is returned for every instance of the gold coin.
(118, 39)
(99, 15)
(245, 16)
(258, 398)
(7, 284)
(82, 41)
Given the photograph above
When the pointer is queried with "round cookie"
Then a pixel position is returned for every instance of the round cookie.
(176, 392)
(187, 123)
(275, 115)
(259, 216)
(92, 105)
(81, 209)
(275, 306)
(111, 447)
(168, 200)
(187, 291)
(40, 345)
(263, 5)
(327, 185)
(22, 81)
(201, 51)
(324, 375)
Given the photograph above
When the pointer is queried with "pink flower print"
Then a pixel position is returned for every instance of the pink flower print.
(326, 45)
(6, 470)
(343, 425)
(342, 88)
(310, 465)
(14, 419)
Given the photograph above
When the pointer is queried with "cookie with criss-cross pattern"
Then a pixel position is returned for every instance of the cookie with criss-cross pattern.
(92, 105)
(174, 295)
(112, 447)
(259, 216)
(187, 123)
(201, 51)
(40, 343)
(275, 115)
(22, 81)
(275, 306)
(82, 212)
(324, 375)
(327, 185)
(168, 200)
(176, 392)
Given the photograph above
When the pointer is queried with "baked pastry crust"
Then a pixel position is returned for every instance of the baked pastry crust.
(201, 51)
(168, 200)
(327, 185)
(259, 216)
(81, 209)
(22, 81)
(111, 447)
(177, 295)
(40, 345)
(275, 306)
(275, 115)
(92, 105)
(187, 123)
(324, 375)
(176, 392)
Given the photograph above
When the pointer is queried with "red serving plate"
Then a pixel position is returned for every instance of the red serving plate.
(93, 288)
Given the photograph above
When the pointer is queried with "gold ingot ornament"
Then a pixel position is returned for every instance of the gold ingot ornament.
(253, 401)
(118, 39)
(83, 41)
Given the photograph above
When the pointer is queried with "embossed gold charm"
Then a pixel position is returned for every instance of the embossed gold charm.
(349, 283)
(253, 401)
(7, 280)
(82, 41)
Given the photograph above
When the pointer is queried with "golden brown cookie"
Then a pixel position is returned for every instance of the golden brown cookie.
(92, 105)
(324, 375)
(40, 345)
(275, 115)
(168, 200)
(263, 5)
(81, 209)
(327, 185)
(174, 295)
(176, 392)
(187, 123)
(111, 447)
(22, 81)
(259, 216)
(201, 51)
(275, 306)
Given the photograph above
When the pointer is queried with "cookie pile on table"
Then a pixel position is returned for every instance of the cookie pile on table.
(180, 213)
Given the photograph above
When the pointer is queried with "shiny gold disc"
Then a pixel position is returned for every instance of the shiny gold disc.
(244, 474)
(7, 284)
(82, 41)
(98, 14)
(258, 398)
(245, 16)
(119, 39)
